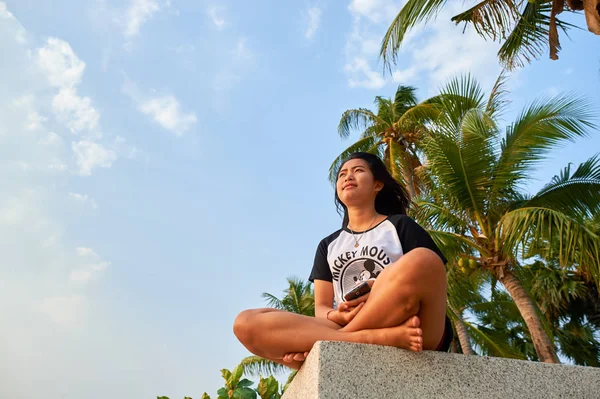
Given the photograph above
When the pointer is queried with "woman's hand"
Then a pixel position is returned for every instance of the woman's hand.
(344, 306)
(343, 317)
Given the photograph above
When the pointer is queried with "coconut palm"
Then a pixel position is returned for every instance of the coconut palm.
(479, 209)
(392, 132)
(526, 28)
(570, 305)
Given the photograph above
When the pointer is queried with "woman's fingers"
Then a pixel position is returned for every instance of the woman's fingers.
(350, 315)
(355, 302)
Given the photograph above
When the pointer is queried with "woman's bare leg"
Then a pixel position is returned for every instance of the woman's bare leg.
(271, 333)
(413, 285)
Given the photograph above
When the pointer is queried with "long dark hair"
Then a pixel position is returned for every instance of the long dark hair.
(391, 200)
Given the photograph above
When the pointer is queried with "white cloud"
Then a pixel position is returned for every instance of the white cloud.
(90, 155)
(75, 111)
(83, 199)
(34, 119)
(90, 265)
(4, 13)
(375, 10)
(314, 20)
(138, 13)
(569, 71)
(65, 310)
(370, 79)
(64, 71)
(216, 15)
(62, 66)
(164, 110)
(431, 53)
(84, 251)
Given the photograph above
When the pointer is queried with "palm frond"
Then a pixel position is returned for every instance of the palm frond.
(359, 119)
(366, 144)
(419, 114)
(256, 365)
(453, 245)
(459, 96)
(497, 100)
(273, 301)
(529, 37)
(540, 127)
(579, 192)
(395, 154)
(492, 342)
(413, 12)
(532, 225)
(461, 160)
(404, 100)
(491, 18)
(429, 212)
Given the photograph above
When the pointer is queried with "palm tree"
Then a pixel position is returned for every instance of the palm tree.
(298, 298)
(526, 28)
(392, 132)
(570, 305)
(478, 208)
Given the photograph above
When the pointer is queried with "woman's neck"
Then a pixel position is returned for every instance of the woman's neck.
(360, 218)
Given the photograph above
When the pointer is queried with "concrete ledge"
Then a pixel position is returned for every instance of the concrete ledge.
(344, 370)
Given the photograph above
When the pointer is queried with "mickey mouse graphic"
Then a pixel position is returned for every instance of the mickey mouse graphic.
(368, 273)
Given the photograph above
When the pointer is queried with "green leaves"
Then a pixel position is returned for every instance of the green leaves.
(256, 365)
(576, 194)
(413, 12)
(268, 388)
(542, 126)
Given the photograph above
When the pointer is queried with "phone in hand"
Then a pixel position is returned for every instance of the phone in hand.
(358, 291)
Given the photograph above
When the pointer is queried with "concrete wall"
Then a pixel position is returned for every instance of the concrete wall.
(344, 370)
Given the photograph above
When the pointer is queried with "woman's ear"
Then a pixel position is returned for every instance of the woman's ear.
(378, 186)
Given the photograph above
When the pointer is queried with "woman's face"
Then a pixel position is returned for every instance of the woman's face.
(356, 184)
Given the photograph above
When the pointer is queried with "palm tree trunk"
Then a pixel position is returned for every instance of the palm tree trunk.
(454, 347)
(543, 344)
(463, 336)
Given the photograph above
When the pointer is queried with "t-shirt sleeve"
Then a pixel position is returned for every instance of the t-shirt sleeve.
(414, 236)
(320, 270)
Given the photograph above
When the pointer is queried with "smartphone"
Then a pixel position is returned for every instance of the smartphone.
(358, 291)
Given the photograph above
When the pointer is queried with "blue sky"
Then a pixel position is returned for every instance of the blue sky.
(165, 162)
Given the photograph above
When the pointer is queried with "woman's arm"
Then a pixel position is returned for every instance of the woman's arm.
(323, 298)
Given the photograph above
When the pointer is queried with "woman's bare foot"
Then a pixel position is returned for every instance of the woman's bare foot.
(406, 336)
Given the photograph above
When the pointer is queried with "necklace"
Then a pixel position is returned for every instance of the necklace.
(356, 241)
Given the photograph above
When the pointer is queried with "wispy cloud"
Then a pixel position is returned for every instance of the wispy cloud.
(216, 15)
(164, 109)
(425, 51)
(90, 155)
(90, 265)
(64, 71)
(83, 199)
(138, 13)
(314, 20)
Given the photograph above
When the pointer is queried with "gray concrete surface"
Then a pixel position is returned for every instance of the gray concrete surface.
(344, 370)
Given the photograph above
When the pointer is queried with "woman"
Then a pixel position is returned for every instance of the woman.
(379, 244)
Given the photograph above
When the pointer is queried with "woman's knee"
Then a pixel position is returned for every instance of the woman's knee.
(419, 265)
(243, 325)
(247, 323)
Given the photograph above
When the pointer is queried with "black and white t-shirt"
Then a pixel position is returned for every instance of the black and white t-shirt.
(338, 260)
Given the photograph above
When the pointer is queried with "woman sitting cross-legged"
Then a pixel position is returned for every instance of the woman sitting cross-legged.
(378, 247)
